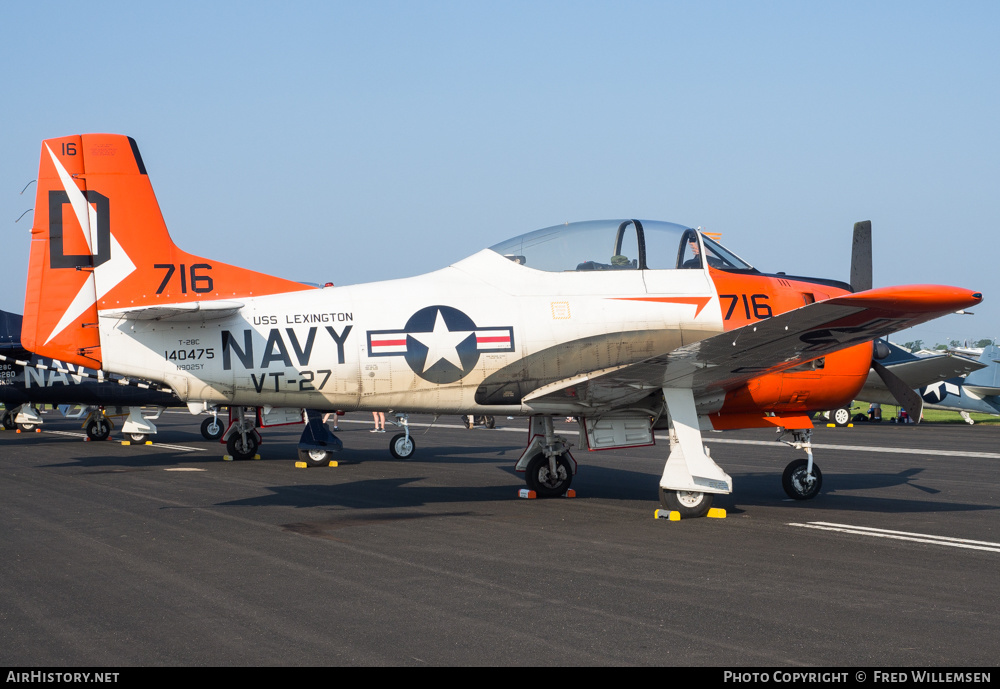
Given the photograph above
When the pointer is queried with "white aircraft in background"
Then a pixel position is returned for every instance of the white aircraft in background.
(630, 326)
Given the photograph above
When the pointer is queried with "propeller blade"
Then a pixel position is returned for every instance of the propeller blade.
(908, 399)
(861, 257)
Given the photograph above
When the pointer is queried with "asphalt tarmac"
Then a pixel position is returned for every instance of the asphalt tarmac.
(119, 556)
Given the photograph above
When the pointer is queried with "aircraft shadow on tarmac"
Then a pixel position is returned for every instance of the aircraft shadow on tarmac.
(374, 494)
(606, 484)
(840, 493)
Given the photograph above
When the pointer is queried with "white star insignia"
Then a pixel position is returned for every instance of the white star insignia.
(441, 343)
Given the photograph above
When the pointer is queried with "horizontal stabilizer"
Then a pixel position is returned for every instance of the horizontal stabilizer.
(981, 391)
(191, 311)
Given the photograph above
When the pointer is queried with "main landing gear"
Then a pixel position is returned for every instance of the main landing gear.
(98, 426)
(242, 438)
(547, 463)
(317, 444)
(690, 478)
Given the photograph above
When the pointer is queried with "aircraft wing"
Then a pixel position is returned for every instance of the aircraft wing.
(729, 360)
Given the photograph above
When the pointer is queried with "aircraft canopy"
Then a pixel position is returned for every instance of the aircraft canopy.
(616, 245)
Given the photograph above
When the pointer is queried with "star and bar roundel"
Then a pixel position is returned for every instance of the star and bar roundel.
(440, 343)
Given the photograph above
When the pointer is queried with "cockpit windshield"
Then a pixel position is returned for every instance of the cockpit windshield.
(617, 245)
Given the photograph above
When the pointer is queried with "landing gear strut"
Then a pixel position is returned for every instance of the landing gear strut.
(690, 477)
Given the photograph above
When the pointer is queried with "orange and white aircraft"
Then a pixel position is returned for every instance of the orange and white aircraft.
(630, 326)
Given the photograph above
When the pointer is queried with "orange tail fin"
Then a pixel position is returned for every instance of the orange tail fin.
(99, 242)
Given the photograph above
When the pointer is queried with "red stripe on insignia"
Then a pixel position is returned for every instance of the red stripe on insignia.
(388, 343)
(503, 338)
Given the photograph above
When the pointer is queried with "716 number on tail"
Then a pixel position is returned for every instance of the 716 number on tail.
(194, 276)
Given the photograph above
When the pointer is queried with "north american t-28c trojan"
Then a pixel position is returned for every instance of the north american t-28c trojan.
(630, 326)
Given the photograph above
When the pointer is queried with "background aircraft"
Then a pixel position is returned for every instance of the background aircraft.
(628, 325)
(27, 380)
(947, 381)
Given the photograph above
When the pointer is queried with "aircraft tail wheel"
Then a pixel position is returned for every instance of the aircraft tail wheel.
(98, 429)
(402, 447)
(239, 448)
(841, 417)
(688, 502)
(540, 478)
(212, 428)
(315, 458)
(797, 484)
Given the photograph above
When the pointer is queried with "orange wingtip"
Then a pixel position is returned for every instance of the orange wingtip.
(914, 298)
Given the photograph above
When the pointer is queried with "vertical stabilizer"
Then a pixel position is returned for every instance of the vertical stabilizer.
(99, 242)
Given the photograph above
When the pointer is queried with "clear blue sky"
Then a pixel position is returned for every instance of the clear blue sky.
(372, 140)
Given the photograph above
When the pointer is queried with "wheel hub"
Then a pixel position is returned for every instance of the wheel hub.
(550, 480)
(690, 498)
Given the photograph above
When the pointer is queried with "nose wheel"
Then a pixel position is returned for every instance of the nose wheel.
(798, 483)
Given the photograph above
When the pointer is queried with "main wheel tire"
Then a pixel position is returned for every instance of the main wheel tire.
(841, 417)
(27, 427)
(796, 483)
(315, 458)
(98, 429)
(491, 422)
(688, 502)
(402, 447)
(212, 428)
(8, 421)
(240, 449)
(540, 478)
(137, 438)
